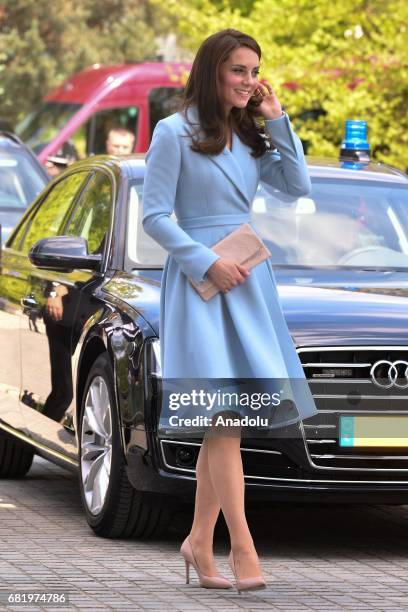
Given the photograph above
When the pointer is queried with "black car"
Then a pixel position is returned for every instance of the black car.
(22, 177)
(80, 359)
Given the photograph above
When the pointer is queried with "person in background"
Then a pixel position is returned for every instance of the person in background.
(120, 141)
(64, 157)
(55, 165)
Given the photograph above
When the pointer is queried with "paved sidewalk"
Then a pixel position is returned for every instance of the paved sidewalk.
(332, 558)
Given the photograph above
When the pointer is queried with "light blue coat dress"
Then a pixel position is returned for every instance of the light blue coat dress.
(242, 333)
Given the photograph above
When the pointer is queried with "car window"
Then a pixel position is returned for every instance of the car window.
(40, 126)
(91, 216)
(163, 101)
(353, 223)
(90, 137)
(340, 223)
(141, 249)
(48, 218)
(125, 117)
(20, 179)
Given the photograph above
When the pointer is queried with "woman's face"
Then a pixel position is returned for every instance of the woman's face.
(238, 78)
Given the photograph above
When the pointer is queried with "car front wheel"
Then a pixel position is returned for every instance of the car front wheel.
(114, 508)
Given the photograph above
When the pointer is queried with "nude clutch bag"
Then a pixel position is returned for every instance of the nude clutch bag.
(244, 246)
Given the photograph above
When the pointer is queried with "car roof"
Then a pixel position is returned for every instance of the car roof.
(133, 165)
(9, 140)
(11, 143)
(329, 167)
(84, 84)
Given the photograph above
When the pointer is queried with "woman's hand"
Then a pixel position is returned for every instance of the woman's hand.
(269, 107)
(226, 274)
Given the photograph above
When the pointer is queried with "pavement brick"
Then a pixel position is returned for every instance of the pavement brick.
(325, 558)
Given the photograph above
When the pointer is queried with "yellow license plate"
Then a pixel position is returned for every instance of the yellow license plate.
(390, 430)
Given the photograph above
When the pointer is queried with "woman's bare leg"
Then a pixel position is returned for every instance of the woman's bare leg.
(206, 511)
(226, 471)
(220, 484)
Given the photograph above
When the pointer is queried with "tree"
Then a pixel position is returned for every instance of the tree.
(340, 59)
(42, 43)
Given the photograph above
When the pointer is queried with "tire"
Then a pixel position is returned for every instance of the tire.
(113, 507)
(15, 458)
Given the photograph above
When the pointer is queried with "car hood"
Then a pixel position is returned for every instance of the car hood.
(317, 312)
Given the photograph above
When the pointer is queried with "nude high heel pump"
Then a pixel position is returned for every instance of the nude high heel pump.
(246, 584)
(208, 582)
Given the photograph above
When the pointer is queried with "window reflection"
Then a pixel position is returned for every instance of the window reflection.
(92, 213)
(50, 215)
(341, 223)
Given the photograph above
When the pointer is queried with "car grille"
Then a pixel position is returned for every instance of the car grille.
(341, 384)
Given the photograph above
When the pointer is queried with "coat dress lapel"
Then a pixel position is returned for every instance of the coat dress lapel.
(227, 160)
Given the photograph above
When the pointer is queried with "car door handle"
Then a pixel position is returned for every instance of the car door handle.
(29, 302)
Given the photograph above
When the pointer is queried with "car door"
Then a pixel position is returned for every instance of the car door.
(12, 286)
(47, 372)
(37, 333)
(17, 311)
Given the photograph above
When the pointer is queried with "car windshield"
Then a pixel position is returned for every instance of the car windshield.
(39, 127)
(20, 180)
(341, 223)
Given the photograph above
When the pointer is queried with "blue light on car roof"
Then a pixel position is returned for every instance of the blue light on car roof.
(355, 150)
(356, 135)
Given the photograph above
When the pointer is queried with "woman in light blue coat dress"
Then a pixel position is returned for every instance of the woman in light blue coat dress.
(204, 164)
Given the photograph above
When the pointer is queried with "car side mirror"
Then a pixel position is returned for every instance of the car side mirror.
(63, 253)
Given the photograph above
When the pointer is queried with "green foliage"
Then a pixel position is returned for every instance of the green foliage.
(343, 58)
(51, 214)
(347, 58)
(41, 43)
(91, 217)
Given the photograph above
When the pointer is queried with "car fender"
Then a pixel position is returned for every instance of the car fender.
(122, 336)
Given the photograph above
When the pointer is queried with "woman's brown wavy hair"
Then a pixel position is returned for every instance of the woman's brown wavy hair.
(202, 89)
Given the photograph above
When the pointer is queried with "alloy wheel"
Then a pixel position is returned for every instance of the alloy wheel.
(96, 445)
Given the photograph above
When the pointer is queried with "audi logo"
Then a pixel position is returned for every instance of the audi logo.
(387, 374)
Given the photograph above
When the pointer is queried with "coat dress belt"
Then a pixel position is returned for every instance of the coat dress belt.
(212, 220)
